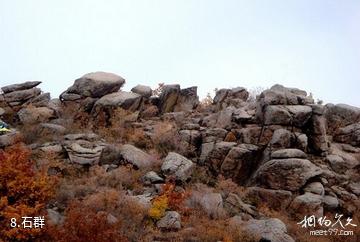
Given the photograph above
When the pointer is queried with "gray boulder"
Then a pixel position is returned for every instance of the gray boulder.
(142, 90)
(288, 174)
(240, 162)
(19, 87)
(341, 115)
(296, 115)
(212, 203)
(135, 156)
(349, 134)
(272, 229)
(230, 97)
(187, 100)
(168, 98)
(126, 100)
(288, 153)
(277, 115)
(274, 199)
(31, 115)
(306, 204)
(316, 188)
(178, 166)
(171, 221)
(95, 84)
(19, 97)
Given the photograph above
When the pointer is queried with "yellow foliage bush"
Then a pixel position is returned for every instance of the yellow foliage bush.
(159, 206)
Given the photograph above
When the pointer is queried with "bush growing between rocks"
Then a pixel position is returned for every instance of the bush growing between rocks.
(169, 199)
(84, 224)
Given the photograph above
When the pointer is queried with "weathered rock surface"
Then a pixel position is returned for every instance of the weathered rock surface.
(83, 149)
(19, 87)
(126, 100)
(170, 221)
(349, 134)
(307, 204)
(288, 153)
(142, 90)
(178, 166)
(263, 230)
(136, 156)
(95, 84)
(36, 115)
(287, 174)
(212, 203)
(341, 115)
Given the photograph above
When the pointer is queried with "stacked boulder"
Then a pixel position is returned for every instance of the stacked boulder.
(17, 96)
(28, 102)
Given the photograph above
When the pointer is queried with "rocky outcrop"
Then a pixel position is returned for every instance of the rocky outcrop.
(285, 152)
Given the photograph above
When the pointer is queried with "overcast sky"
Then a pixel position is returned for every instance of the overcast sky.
(310, 44)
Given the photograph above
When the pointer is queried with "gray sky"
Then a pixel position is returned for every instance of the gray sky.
(310, 44)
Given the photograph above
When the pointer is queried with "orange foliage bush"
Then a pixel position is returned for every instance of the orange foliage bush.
(85, 224)
(23, 191)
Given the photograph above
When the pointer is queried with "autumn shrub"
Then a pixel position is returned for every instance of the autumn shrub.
(201, 228)
(169, 199)
(24, 192)
(82, 223)
(87, 219)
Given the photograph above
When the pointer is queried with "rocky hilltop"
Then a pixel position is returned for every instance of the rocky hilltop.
(257, 166)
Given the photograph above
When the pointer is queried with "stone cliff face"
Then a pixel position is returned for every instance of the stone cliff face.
(283, 148)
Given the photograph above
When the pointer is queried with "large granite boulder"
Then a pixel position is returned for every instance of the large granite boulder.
(142, 90)
(178, 166)
(240, 162)
(168, 98)
(125, 100)
(307, 204)
(135, 156)
(296, 115)
(341, 115)
(287, 174)
(95, 85)
(230, 97)
(187, 100)
(31, 115)
(212, 203)
(171, 221)
(271, 229)
(349, 134)
(19, 87)
(17, 98)
(274, 199)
